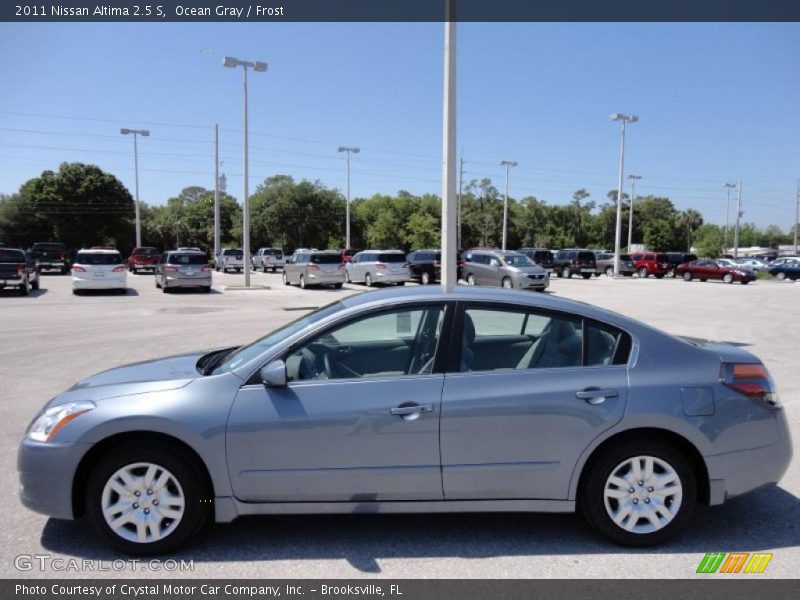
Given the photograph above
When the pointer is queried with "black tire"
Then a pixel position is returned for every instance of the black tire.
(368, 280)
(165, 289)
(35, 284)
(193, 481)
(302, 282)
(401, 283)
(659, 276)
(643, 273)
(703, 280)
(687, 275)
(338, 286)
(744, 282)
(263, 268)
(507, 284)
(596, 274)
(609, 271)
(206, 289)
(591, 501)
(586, 275)
(566, 273)
(471, 279)
(25, 288)
(285, 279)
(425, 278)
(64, 270)
(727, 278)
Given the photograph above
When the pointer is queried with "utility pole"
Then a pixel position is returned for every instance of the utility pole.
(460, 192)
(449, 199)
(796, 217)
(633, 179)
(728, 187)
(738, 216)
(349, 150)
(216, 192)
(507, 164)
(136, 133)
(618, 229)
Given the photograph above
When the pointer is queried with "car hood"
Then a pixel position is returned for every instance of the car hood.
(149, 376)
(533, 270)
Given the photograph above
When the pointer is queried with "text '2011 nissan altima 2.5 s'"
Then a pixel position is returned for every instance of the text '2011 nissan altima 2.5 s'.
(414, 400)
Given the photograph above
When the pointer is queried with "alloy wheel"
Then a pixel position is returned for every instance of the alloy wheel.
(470, 279)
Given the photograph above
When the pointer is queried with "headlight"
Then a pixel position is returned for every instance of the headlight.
(47, 424)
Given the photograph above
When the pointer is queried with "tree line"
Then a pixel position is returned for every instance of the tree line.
(81, 206)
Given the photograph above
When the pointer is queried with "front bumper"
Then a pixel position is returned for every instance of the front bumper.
(46, 473)
(104, 283)
(532, 284)
(735, 473)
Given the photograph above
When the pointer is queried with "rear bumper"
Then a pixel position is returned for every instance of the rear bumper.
(735, 473)
(383, 277)
(322, 279)
(11, 281)
(106, 283)
(51, 264)
(144, 267)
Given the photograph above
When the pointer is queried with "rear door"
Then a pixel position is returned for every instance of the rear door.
(514, 425)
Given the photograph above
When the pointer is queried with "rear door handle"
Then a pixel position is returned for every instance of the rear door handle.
(414, 409)
(596, 396)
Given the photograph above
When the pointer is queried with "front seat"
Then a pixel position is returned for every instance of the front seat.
(558, 346)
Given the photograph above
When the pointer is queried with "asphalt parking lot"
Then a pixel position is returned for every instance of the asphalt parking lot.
(52, 338)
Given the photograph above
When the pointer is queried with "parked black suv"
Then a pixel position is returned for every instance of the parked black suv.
(426, 265)
(541, 256)
(569, 261)
(50, 255)
(678, 258)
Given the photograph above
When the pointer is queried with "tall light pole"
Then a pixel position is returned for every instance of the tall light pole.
(449, 200)
(739, 214)
(216, 192)
(349, 150)
(507, 164)
(796, 217)
(728, 187)
(259, 67)
(136, 133)
(618, 232)
(634, 179)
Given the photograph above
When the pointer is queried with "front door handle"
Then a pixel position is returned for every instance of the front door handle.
(411, 411)
(595, 396)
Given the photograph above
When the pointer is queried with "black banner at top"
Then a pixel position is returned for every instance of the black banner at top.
(197, 11)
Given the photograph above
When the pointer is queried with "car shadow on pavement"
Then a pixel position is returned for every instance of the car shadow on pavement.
(763, 520)
(128, 292)
(180, 291)
(14, 293)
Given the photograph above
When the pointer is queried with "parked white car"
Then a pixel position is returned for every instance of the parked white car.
(99, 270)
(268, 258)
(230, 259)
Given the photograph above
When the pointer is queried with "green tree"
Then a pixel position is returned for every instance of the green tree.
(689, 220)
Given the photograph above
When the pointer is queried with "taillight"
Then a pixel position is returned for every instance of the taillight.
(206, 269)
(170, 269)
(118, 269)
(751, 380)
(20, 270)
(78, 269)
(341, 265)
(436, 263)
(380, 266)
(576, 263)
(62, 256)
(313, 267)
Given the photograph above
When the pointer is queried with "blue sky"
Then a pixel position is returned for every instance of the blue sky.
(717, 103)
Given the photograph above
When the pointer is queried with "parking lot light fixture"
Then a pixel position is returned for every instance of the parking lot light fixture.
(136, 133)
(634, 179)
(349, 150)
(259, 67)
(507, 164)
(625, 119)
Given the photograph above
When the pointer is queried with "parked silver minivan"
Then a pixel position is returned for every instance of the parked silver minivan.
(306, 267)
(378, 266)
(511, 270)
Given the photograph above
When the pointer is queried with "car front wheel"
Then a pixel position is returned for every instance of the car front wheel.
(728, 278)
(425, 278)
(507, 283)
(566, 273)
(639, 493)
(643, 273)
(687, 276)
(470, 279)
(147, 498)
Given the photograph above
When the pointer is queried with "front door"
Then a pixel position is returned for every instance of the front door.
(529, 398)
(357, 422)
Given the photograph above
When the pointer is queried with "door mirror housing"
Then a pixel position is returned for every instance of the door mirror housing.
(274, 374)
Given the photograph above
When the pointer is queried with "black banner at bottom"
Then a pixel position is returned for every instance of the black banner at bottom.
(402, 589)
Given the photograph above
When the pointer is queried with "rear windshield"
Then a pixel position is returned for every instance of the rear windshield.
(325, 259)
(391, 258)
(145, 252)
(233, 252)
(11, 255)
(49, 247)
(517, 260)
(98, 258)
(586, 256)
(188, 259)
(274, 252)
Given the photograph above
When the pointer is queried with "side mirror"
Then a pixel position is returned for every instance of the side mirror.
(274, 374)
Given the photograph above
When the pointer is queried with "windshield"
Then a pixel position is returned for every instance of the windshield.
(249, 352)
(98, 258)
(517, 260)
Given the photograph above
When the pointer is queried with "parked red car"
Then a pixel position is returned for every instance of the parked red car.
(705, 269)
(144, 258)
(347, 254)
(651, 263)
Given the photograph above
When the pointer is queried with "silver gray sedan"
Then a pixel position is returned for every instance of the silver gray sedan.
(413, 400)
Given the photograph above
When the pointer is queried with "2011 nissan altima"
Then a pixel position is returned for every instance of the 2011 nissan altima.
(414, 400)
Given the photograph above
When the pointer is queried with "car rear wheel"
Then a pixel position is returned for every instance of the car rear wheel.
(425, 278)
(566, 273)
(164, 288)
(639, 493)
(64, 270)
(781, 275)
(470, 279)
(609, 271)
(147, 498)
(586, 275)
(643, 273)
(35, 284)
(670, 274)
(206, 289)
(368, 280)
(25, 288)
(507, 283)
(338, 286)
(263, 268)
(727, 278)
(302, 282)
(687, 276)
